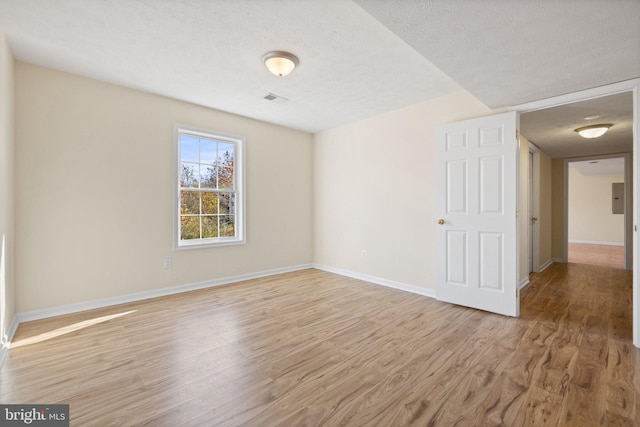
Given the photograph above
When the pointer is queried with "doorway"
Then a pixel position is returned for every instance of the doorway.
(596, 201)
(552, 132)
(630, 89)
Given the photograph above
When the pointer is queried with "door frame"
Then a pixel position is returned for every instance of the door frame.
(530, 214)
(535, 208)
(628, 211)
(632, 86)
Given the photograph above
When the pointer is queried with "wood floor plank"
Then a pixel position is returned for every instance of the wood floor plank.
(622, 398)
(314, 348)
(541, 408)
(604, 255)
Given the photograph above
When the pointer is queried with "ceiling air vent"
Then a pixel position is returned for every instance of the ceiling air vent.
(275, 98)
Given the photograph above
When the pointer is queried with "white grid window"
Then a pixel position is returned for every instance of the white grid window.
(209, 200)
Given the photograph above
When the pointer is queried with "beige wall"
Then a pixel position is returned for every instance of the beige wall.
(374, 190)
(545, 209)
(590, 217)
(6, 187)
(94, 192)
(557, 209)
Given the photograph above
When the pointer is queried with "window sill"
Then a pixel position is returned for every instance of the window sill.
(209, 244)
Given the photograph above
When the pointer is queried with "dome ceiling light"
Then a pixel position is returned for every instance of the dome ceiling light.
(592, 117)
(280, 63)
(593, 131)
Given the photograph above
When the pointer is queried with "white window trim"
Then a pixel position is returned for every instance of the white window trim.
(240, 174)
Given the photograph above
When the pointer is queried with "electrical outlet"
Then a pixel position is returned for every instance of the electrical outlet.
(363, 254)
(167, 263)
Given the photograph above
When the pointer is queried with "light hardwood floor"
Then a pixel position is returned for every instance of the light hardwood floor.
(606, 255)
(313, 348)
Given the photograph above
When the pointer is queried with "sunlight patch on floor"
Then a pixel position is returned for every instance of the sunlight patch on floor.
(67, 329)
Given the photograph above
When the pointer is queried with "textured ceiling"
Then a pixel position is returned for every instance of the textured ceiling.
(512, 52)
(209, 52)
(553, 129)
(613, 166)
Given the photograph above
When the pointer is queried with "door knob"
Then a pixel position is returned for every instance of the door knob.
(441, 221)
(534, 218)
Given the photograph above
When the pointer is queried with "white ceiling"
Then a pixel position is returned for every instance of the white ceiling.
(513, 52)
(553, 129)
(208, 52)
(613, 166)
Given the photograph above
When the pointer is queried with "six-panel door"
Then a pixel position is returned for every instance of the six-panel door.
(477, 248)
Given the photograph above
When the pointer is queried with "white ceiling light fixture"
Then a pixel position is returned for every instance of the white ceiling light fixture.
(593, 131)
(280, 63)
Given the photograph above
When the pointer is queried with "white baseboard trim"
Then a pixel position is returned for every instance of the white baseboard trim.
(4, 349)
(592, 242)
(378, 281)
(524, 282)
(90, 305)
(544, 266)
(561, 260)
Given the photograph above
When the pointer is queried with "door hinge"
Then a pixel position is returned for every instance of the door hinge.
(516, 213)
(516, 133)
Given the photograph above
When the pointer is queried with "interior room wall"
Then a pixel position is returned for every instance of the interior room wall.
(590, 216)
(94, 192)
(7, 235)
(374, 191)
(545, 209)
(557, 209)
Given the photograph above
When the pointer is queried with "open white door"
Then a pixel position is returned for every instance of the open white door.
(477, 236)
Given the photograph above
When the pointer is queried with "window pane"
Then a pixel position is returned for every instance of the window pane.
(188, 148)
(189, 227)
(190, 202)
(226, 162)
(207, 176)
(208, 149)
(227, 226)
(225, 178)
(232, 204)
(188, 175)
(227, 203)
(226, 151)
(209, 203)
(209, 226)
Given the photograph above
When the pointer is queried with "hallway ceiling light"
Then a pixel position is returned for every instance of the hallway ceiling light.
(593, 131)
(280, 63)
